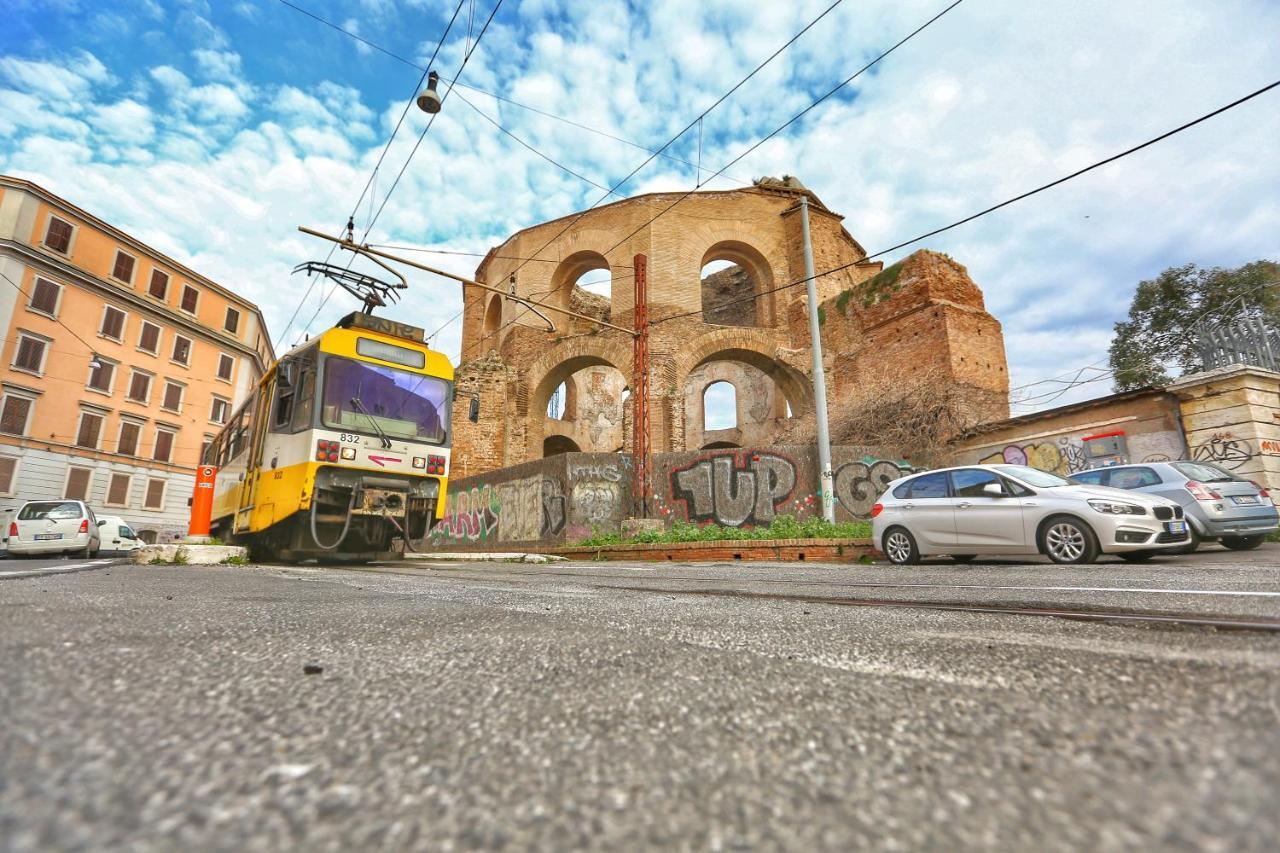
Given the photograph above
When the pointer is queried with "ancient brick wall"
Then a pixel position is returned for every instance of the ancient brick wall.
(922, 313)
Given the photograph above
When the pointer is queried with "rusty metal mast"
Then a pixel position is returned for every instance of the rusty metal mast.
(640, 444)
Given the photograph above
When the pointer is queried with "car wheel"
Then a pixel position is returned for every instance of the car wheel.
(84, 553)
(900, 547)
(1242, 543)
(1137, 556)
(1064, 539)
(963, 558)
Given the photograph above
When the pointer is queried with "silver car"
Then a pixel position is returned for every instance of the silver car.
(1013, 509)
(54, 527)
(1218, 504)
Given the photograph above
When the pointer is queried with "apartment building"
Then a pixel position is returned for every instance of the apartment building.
(118, 365)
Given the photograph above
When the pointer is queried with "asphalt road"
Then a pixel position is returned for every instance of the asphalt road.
(614, 706)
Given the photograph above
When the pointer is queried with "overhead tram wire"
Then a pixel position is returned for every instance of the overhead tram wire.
(563, 120)
(793, 120)
(430, 123)
(993, 208)
(373, 174)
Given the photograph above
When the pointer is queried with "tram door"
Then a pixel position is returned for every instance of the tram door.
(253, 434)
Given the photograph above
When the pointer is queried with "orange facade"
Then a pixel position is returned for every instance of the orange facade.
(115, 358)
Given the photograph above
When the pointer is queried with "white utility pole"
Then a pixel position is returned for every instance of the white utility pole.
(819, 376)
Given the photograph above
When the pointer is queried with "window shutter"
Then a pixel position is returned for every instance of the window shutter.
(13, 420)
(58, 235)
(172, 396)
(100, 377)
(123, 269)
(150, 338)
(164, 445)
(225, 365)
(7, 466)
(159, 287)
(90, 427)
(113, 323)
(118, 489)
(190, 296)
(232, 323)
(155, 494)
(181, 350)
(30, 354)
(44, 297)
(139, 386)
(129, 433)
(78, 484)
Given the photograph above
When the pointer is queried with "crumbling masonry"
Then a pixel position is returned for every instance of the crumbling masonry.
(923, 314)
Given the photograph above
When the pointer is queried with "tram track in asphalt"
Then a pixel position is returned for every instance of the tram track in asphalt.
(1167, 613)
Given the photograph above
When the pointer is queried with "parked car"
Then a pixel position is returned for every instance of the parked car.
(1218, 504)
(54, 527)
(117, 536)
(1013, 509)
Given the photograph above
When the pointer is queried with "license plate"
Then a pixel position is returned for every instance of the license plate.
(48, 535)
(1247, 500)
(1176, 526)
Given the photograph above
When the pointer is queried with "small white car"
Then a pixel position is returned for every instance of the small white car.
(117, 536)
(54, 527)
(1012, 509)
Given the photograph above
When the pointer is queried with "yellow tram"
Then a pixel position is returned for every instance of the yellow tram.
(341, 450)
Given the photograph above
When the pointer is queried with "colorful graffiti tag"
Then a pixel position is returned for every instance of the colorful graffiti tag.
(858, 484)
(522, 510)
(1062, 457)
(716, 488)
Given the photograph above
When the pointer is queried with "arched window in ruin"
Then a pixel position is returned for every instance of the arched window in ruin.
(492, 322)
(561, 406)
(555, 444)
(719, 445)
(719, 407)
(583, 283)
(735, 281)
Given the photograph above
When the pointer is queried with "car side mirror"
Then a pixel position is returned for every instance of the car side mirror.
(994, 490)
(100, 523)
(474, 414)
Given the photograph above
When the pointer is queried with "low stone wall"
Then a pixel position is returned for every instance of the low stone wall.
(569, 497)
(729, 550)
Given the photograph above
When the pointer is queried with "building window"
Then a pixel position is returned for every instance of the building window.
(190, 298)
(118, 490)
(232, 323)
(8, 470)
(90, 430)
(123, 269)
(14, 414)
(181, 350)
(204, 449)
(130, 433)
(149, 338)
(218, 411)
(112, 323)
(159, 287)
(78, 481)
(226, 364)
(101, 377)
(139, 387)
(172, 396)
(164, 445)
(29, 354)
(155, 494)
(58, 235)
(45, 297)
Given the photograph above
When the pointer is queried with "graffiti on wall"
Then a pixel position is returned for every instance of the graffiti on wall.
(715, 488)
(1223, 449)
(858, 484)
(1063, 457)
(520, 510)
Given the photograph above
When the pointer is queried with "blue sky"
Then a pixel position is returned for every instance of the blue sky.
(213, 129)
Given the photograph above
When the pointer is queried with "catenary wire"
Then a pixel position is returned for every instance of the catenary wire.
(430, 123)
(381, 157)
(1020, 197)
(506, 100)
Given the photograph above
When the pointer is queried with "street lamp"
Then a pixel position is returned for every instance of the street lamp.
(429, 100)
(96, 362)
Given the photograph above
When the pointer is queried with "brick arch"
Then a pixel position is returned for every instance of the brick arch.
(555, 366)
(751, 259)
(756, 347)
(567, 273)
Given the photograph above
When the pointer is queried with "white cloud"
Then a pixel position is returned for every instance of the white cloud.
(123, 120)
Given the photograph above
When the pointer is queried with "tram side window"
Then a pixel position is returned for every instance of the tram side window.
(306, 399)
(282, 411)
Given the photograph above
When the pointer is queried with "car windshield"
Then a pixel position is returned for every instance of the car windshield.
(1032, 476)
(1204, 472)
(51, 510)
(402, 404)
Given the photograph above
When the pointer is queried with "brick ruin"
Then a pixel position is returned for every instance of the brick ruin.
(545, 391)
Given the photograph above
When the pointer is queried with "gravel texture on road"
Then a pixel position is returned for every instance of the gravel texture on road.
(233, 708)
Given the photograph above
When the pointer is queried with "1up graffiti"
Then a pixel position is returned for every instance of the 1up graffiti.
(715, 489)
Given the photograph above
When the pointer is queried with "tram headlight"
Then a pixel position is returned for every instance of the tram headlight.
(419, 462)
(348, 453)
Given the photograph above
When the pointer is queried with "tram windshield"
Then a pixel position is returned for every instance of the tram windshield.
(358, 395)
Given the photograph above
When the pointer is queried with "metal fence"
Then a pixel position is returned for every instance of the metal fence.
(1245, 340)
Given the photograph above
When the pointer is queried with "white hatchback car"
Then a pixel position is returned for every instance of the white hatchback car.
(1012, 509)
(54, 527)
